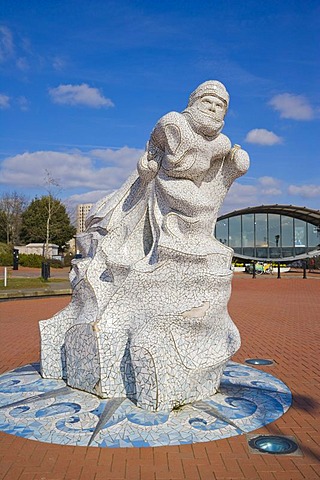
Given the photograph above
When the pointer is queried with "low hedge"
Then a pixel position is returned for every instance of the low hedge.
(6, 259)
(27, 260)
(35, 261)
(5, 248)
(30, 260)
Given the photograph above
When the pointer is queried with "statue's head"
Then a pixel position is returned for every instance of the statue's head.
(207, 107)
(210, 88)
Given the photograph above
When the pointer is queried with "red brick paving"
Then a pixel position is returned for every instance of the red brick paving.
(278, 319)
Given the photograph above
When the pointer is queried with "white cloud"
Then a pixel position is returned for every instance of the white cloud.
(268, 181)
(88, 197)
(19, 52)
(296, 107)
(4, 101)
(269, 186)
(97, 170)
(6, 44)
(79, 95)
(22, 64)
(273, 192)
(23, 103)
(124, 156)
(257, 193)
(58, 63)
(239, 196)
(305, 191)
(73, 201)
(261, 136)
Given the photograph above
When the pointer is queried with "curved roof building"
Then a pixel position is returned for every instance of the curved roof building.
(271, 232)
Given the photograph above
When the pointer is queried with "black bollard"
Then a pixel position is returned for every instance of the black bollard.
(254, 270)
(15, 259)
(45, 270)
(279, 275)
(304, 269)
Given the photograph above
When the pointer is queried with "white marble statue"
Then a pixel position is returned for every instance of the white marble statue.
(148, 317)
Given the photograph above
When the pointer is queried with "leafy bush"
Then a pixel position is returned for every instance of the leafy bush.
(4, 248)
(35, 261)
(54, 263)
(6, 259)
(67, 259)
(30, 260)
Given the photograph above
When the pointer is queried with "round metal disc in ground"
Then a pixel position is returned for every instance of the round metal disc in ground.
(258, 361)
(273, 444)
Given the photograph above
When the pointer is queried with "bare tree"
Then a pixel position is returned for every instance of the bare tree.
(52, 187)
(12, 205)
(46, 220)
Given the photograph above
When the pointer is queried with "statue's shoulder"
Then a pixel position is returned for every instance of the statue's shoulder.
(172, 118)
(169, 130)
(225, 142)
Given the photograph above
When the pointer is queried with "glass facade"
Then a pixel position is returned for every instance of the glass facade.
(274, 229)
(267, 235)
(235, 233)
(313, 236)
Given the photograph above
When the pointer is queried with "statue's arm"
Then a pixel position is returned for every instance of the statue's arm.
(156, 148)
(165, 146)
(236, 163)
(172, 137)
(147, 167)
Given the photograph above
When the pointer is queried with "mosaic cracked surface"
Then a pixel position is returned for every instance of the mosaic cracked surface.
(49, 411)
(150, 292)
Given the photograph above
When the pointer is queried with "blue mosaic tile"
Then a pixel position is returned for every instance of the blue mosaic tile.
(48, 411)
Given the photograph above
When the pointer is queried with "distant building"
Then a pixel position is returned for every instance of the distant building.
(38, 249)
(271, 232)
(82, 212)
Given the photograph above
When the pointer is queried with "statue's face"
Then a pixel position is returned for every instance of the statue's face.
(212, 106)
(207, 114)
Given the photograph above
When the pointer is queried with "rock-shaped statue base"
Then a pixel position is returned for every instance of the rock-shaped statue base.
(148, 318)
(163, 341)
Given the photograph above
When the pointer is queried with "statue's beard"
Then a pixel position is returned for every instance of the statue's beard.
(203, 123)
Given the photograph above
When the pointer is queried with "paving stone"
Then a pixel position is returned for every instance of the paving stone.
(277, 319)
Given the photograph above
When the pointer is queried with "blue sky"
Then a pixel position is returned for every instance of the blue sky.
(84, 82)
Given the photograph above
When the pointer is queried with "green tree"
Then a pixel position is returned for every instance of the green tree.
(46, 220)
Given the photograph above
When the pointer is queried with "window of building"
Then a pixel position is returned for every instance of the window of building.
(313, 236)
(287, 236)
(221, 233)
(300, 233)
(287, 231)
(274, 230)
(235, 231)
(261, 224)
(248, 230)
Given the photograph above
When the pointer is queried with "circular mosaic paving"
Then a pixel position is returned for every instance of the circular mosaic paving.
(49, 411)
